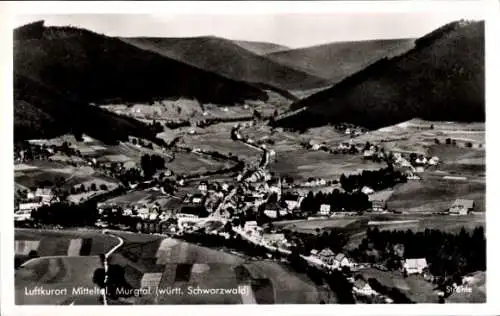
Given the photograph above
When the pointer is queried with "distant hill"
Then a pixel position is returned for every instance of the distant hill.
(41, 112)
(442, 78)
(100, 69)
(335, 61)
(261, 48)
(226, 58)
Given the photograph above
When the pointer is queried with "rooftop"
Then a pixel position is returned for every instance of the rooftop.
(464, 203)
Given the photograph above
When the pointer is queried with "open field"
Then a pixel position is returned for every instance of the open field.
(138, 197)
(57, 243)
(225, 145)
(302, 164)
(413, 287)
(287, 286)
(48, 173)
(417, 136)
(309, 226)
(189, 163)
(435, 195)
(355, 226)
(63, 274)
(181, 264)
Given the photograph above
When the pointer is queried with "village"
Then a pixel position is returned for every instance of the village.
(264, 209)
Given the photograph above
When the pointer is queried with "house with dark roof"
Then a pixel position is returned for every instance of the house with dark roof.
(379, 199)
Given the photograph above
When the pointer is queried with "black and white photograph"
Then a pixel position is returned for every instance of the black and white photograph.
(224, 159)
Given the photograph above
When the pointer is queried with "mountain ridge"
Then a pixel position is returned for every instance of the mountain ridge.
(91, 65)
(445, 68)
(227, 58)
(337, 60)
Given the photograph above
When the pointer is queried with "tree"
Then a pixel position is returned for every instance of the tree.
(33, 254)
(103, 187)
(436, 141)
(82, 188)
(93, 187)
(448, 141)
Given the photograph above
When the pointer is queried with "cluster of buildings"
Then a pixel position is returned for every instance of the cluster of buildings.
(272, 241)
(33, 201)
(411, 167)
(328, 259)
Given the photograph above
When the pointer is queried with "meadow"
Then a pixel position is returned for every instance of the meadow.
(303, 164)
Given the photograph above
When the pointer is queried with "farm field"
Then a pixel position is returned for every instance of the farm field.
(186, 109)
(137, 197)
(413, 287)
(223, 144)
(58, 243)
(309, 226)
(181, 264)
(413, 222)
(417, 136)
(190, 163)
(54, 172)
(288, 286)
(435, 195)
(302, 164)
(62, 273)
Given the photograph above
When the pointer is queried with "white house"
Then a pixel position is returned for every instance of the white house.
(29, 206)
(342, 261)
(461, 207)
(250, 225)
(367, 154)
(273, 238)
(46, 194)
(324, 209)
(421, 160)
(433, 161)
(362, 287)
(22, 215)
(203, 187)
(367, 190)
(415, 266)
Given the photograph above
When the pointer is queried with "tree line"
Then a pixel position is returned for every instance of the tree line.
(449, 255)
(338, 201)
(376, 179)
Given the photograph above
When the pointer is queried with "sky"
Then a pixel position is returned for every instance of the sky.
(292, 30)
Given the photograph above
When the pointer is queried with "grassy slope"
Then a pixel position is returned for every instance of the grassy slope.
(224, 57)
(261, 48)
(442, 78)
(335, 61)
